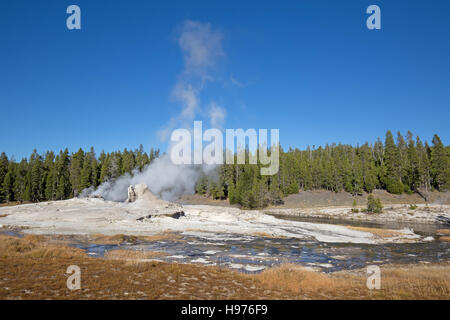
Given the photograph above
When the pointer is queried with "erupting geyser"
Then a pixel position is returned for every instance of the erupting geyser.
(142, 197)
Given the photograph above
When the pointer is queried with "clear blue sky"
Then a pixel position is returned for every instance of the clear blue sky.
(310, 68)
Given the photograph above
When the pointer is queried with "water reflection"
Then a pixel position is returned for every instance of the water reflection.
(257, 253)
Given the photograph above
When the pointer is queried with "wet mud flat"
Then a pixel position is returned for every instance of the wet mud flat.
(426, 229)
(251, 254)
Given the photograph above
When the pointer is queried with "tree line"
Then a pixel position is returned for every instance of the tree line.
(405, 164)
(63, 176)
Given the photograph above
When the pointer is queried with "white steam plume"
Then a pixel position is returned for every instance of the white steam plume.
(162, 177)
(201, 47)
(217, 115)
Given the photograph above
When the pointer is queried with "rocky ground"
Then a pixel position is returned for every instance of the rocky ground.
(34, 267)
(323, 198)
(323, 204)
(146, 215)
(423, 213)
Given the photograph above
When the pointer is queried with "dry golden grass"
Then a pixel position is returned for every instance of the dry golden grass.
(121, 238)
(267, 235)
(114, 239)
(443, 231)
(412, 282)
(417, 282)
(133, 254)
(380, 233)
(172, 236)
(309, 284)
(133, 257)
(13, 203)
(32, 246)
(40, 277)
(33, 268)
(444, 239)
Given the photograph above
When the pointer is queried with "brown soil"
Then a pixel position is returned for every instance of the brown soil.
(134, 256)
(13, 203)
(196, 199)
(378, 232)
(121, 238)
(321, 198)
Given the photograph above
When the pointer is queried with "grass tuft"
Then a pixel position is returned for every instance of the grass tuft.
(377, 232)
(32, 267)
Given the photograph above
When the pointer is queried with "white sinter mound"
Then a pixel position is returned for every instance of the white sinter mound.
(144, 214)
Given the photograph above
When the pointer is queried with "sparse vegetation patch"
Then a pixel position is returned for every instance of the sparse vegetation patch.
(374, 205)
(33, 268)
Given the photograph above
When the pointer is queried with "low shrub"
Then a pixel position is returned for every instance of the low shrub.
(374, 205)
(354, 207)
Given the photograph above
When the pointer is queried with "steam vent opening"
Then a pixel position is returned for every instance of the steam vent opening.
(139, 194)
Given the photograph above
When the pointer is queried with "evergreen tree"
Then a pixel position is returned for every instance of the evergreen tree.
(392, 178)
(47, 176)
(374, 205)
(89, 171)
(8, 184)
(35, 178)
(94, 168)
(76, 164)
(201, 186)
(128, 162)
(86, 180)
(20, 181)
(63, 188)
(3, 171)
(275, 194)
(423, 166)
(403, 162)
(369, 173)
(412, 171)
(104, 171)
(405, 166)
(439, 165)
(50, 192)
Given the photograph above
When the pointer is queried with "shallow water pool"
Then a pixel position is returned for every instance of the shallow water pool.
(253, 254)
